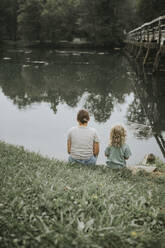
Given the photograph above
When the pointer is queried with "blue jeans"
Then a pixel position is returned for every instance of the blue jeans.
(92, 160)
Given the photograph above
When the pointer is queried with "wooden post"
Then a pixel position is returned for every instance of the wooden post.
(160, 32)
(153, 33)
(140, 35)
(148, 34)
(146, 56)
(139, 52)
(158, 54)
(157, 60)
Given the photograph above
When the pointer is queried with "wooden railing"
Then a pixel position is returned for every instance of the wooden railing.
(153, 31)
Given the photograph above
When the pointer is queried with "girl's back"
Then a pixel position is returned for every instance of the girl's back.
(116, 156)
(118, 151)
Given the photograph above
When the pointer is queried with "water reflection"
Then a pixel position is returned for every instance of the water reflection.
(103, 81)
(57, 81)
(146, 113)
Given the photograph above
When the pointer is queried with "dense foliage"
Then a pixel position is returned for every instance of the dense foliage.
(148, 10)
(101, 22)
(8, 19)
(54, 20)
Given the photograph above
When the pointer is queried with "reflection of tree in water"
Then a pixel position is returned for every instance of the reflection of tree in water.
(103, 78)
(100, 106)
(146, 113)
(137, 119)
(53, 99)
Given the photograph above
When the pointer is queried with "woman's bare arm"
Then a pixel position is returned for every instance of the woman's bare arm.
(68, 145)
(95, 148)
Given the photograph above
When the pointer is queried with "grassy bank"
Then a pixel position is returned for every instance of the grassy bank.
(48, 203)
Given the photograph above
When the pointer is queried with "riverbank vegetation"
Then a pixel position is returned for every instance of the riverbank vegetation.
(100, 23)
(148, 10)
(49, 203)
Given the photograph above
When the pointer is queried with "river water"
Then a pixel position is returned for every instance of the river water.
(41, 92)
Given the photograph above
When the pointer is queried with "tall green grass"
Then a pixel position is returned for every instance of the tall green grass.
(48, 203)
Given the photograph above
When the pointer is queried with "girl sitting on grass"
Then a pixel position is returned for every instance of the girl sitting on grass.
(118, 151)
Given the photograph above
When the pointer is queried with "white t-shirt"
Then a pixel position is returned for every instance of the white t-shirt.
(82, 139)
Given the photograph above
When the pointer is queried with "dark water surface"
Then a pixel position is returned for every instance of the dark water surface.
(42, 90)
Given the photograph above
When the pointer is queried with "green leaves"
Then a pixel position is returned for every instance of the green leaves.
(101, 22)
(29, 26)
(149, 10)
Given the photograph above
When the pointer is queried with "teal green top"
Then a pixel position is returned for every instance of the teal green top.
(116, 156)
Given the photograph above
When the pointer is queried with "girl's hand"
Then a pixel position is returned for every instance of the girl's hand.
(126, 158)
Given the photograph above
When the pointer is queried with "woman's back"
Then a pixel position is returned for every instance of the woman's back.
(82, 138)
(83, 141)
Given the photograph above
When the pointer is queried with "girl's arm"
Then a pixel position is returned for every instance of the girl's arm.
(127, 153)
(107, 151)
(95, 148)
(69, 145)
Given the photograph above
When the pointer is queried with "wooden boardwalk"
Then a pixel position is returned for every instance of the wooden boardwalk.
(147, 43)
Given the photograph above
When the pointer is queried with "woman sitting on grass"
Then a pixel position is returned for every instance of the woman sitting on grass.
(83, 141)
(118, 151)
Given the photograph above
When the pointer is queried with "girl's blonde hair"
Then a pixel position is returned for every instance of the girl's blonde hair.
(117, 136)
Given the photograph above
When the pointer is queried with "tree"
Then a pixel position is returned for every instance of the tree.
(150, 9)
(103, 21)
(8, 19)
(100, 21)
(29, 19)
(97, 20)
(59, 20)
(128, 14)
